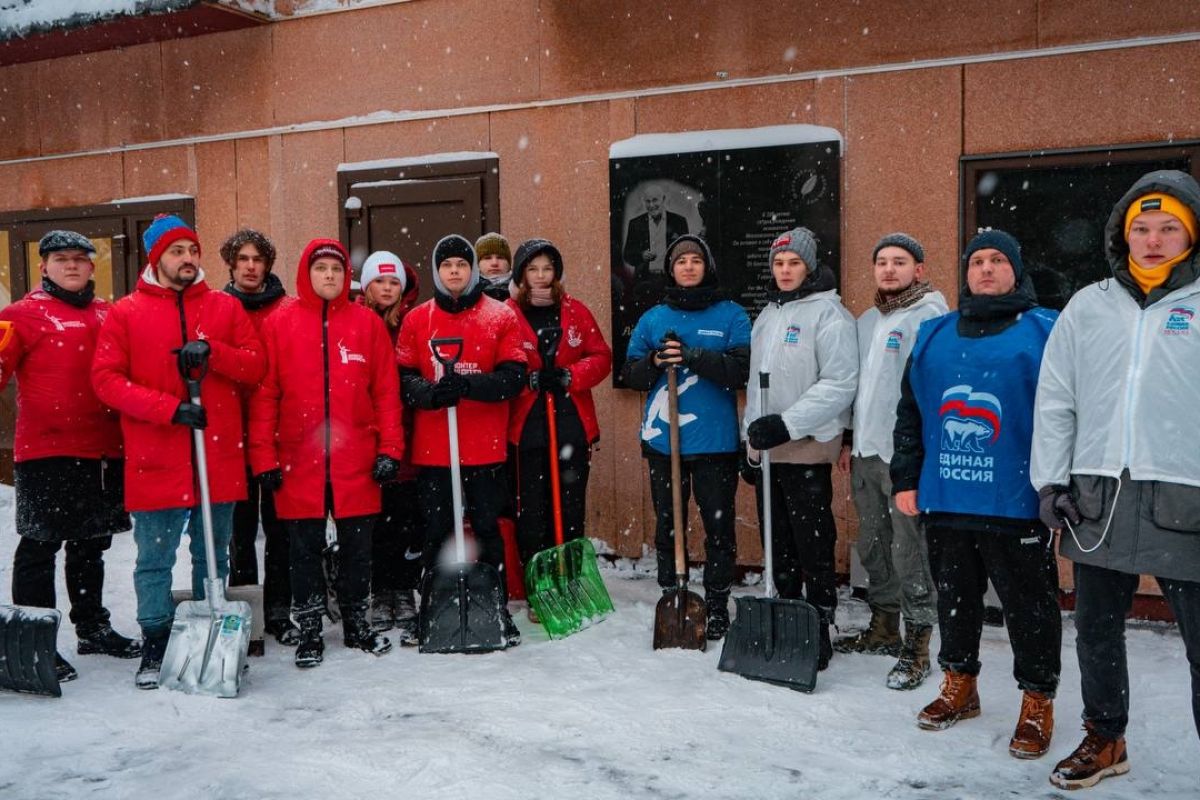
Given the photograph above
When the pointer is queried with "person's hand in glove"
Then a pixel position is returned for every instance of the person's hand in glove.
(1057, 505)
(450, 389)
(550, 380)
(385, 469)
(270, 480)
(750, 471)
(191, 415)
(767, 432)
(670, 351)
(193, 355)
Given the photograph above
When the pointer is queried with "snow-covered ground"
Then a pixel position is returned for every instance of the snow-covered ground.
(597, 715)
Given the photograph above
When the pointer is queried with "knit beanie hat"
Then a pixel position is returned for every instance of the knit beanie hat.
(454, 246)
(683, 246)
(990, 239)
(165, 230)
(1158, 201)
(904, 242)
(327, 251)
(492, 244)
(382, 264)
(799, 241)
(64, 240)
(531, 248)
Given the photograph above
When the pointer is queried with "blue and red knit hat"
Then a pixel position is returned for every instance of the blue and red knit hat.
(163, 231)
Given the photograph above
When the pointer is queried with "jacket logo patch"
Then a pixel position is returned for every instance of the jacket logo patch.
(895, 338)
(792, 335)
(61, 324)
(657, 421)
(574, 337)
(709, 332)
(527, 345)
(1179, 321)
(349, 357)
(1153, 204)
(970, 420)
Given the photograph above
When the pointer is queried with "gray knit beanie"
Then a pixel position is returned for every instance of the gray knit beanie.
(799, 241)
(904, 242)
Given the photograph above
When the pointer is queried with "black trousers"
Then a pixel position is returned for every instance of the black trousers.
(243, 555)
(353, 582)
(535, 510)
(33, 578)
(1020, 564)
(485, 495)
(714, 479)
(1103, 598)
(803, 533)
(398, 540)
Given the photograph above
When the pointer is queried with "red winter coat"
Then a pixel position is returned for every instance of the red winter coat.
(330, 402)
(136, 373)
(491, 335)
(582, 351)
(49, 345)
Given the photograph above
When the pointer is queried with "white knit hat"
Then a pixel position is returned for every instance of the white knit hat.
(381, 264)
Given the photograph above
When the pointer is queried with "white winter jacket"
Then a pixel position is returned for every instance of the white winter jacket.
(1113, 378)
(810, 349)
(884, 344)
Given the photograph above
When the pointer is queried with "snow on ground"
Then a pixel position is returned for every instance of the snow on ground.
(598, 715)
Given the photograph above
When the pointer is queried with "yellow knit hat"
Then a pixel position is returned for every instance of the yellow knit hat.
(1157, 201)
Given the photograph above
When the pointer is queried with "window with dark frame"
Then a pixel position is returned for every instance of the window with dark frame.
(1057, 202)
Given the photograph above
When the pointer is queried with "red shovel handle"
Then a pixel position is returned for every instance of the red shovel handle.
(555, 486)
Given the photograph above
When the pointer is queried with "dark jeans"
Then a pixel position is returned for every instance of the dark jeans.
(485, 494)
(535, 510)
(33, 578)
(398, 540)
(1020, 564)
(803, 533)
(714, 479)
(353, 582)
(243, 555)
(1103, 598)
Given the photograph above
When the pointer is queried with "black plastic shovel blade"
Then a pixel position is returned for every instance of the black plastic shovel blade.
(461, 610)
(775, 641)
(28, 642)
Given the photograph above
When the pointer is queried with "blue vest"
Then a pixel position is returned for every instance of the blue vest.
(976, 400)
(708, 421)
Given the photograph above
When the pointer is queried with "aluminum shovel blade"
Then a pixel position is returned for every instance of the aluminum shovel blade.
(207, 649)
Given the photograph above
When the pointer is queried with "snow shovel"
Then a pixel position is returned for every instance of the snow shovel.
(209, 638)
(771, 639)
(679, 618)
(562, 583)
(461, 603)
(28, 642)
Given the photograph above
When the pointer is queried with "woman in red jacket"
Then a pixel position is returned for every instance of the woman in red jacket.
(390, 288)
(325, 431)
(583, 360)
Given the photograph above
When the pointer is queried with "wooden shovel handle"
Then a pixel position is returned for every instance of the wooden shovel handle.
(676, 474)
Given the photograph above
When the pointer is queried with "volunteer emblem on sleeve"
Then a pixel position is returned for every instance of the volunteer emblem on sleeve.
(895, 338)
(792, 335)
(1179, 321)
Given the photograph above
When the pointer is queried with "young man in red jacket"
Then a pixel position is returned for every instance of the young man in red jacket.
(250, 256)
(67, 447)
(490, 371)
(325, 432)
(172, 319)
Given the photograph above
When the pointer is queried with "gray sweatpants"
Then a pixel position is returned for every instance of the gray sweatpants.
(891, 547)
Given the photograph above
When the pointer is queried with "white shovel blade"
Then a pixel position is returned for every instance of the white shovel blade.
(205, 655)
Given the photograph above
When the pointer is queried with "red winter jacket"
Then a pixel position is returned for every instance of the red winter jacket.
(49, 345)
(582, 351)
(136, 373)
(491, 336)
(330, 402)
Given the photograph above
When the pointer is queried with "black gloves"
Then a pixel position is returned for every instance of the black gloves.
(1057, 505)
(191, 415)
(550, 380)
(385, 470)
(270, 480)
(683, 352)
(193, 355)
(751, 473)
(450, 389)
(767, 432)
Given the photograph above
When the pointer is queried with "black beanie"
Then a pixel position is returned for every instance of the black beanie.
(453, 247)
(530, 249)
(990, 239)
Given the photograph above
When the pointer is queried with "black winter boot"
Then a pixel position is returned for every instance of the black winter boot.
(383, 611)
(107, 642)
(825, 651)
(717, 607)
(63, 669)
(357, 633)
(310, 651)
(406, 619)
(913, 667)
(284, 631)
(512, 634)
(153, 650)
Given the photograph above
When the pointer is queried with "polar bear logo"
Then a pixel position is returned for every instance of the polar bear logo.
(964, 435)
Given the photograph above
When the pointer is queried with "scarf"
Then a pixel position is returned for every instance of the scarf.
(692, 298)
(80, 299)
(272, 290)
(1150, 278)
(894, 301)
(541, 297)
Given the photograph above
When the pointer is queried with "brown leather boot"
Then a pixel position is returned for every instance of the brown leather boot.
(881, 637)
(1097, 757)
(959, 699)
(1035, 726)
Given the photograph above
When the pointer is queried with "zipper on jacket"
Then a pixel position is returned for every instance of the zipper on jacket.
(328, 427)
(1135, 359)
